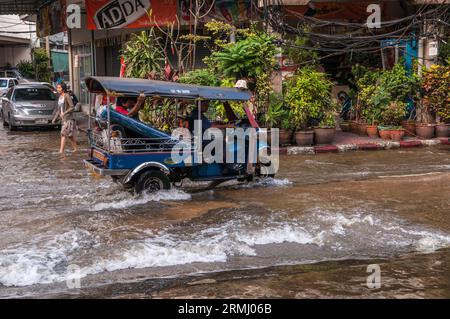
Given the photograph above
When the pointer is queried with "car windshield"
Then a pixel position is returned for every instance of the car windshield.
(3, 83)
(34, 94)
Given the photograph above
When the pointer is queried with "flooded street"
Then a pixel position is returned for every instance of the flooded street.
(310, 232)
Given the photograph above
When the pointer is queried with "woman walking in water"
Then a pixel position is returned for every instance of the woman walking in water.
(65, 111)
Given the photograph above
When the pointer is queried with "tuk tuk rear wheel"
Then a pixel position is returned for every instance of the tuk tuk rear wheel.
(151, 182)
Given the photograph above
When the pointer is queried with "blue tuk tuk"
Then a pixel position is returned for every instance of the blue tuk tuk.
(139, 156)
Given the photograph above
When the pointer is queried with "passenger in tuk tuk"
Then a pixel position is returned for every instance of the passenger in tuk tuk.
(130, 106)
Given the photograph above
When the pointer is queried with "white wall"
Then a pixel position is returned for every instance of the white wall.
(14, 54)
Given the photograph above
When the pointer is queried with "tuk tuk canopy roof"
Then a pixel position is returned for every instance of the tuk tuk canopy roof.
(116, 86)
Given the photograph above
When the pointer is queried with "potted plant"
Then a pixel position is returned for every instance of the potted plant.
(436, 96)
(309, 97)
(277, 116)
(345, 126)
(392, 117)
(372, 116)
(443, 127)
(366, 80)
(325, 131)
(410, 127)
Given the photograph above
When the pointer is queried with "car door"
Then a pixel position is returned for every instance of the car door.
(6, 100)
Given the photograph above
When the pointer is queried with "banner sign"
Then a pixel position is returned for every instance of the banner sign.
(355, 11)
(51, 19)
(223, 10)
(119, 14)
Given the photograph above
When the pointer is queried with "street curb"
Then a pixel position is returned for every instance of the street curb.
(384, 145)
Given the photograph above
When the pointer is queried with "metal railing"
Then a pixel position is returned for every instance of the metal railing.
(133, 144)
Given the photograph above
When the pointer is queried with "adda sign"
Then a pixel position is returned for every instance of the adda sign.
(113, 14)
(120, 13)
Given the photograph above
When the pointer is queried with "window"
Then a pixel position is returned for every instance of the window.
(34, 94)
(3, 83)
(11, 83)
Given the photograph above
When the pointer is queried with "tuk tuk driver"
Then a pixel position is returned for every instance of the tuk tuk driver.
(206, 123)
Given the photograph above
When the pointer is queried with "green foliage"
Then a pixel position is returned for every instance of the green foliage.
(444, 52)
(41, 60)
(142, 55)
(436, 90)
(26, 69)
(277, 115)
(328, 120)
(200, 77)
(300, 55)
(382, 94)
(251, 58)
(309, 97)
(394, 113)
(237, 107)
(247, 58)
(160, 113)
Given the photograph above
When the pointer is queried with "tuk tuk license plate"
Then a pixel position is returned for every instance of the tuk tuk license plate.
(41, 121)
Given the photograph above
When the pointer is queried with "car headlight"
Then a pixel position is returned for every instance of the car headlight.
(17, 110)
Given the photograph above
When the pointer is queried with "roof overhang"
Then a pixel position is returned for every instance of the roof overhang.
(22, 6)
(115, 86)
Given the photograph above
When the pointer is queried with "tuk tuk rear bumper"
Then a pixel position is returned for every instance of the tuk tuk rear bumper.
(98, 169)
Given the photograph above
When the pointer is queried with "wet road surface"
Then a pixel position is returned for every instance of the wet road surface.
(310, 232)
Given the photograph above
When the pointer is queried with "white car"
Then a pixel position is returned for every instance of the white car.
(6, 84)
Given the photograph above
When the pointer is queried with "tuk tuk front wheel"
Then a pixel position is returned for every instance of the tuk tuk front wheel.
(152, 181)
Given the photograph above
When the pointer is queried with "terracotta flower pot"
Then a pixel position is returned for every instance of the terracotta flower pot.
(425, 131)
(372, 131)
(385, 134)
(304, 138)
(353, 127)
(324, 135)
(345, 126)
(362, 129)
(442, 130)
(284, 136)
(397, 134)
(410, 128)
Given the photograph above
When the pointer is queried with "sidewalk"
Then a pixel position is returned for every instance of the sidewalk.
(345, 141)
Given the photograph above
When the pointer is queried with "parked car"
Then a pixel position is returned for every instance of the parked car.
(28, 105)
(6, 84)
(45, 84)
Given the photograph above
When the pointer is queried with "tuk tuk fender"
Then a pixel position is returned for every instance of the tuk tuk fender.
(143, 167)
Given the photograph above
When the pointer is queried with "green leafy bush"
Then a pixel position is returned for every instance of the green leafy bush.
(26, 69)
(309, 97)
(200, 77)
(41, 60)
(142, 55)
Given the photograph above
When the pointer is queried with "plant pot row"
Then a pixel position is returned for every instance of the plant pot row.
(425, 131)
(319, 135)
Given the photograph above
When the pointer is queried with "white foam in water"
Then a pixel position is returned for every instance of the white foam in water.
(170, 195)
(29, 264)
(352, 233)
(269, 181)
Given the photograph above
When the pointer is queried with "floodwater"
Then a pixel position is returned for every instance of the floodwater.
(310, 232)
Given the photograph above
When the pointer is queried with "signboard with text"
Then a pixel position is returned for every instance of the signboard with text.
(119, 14)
